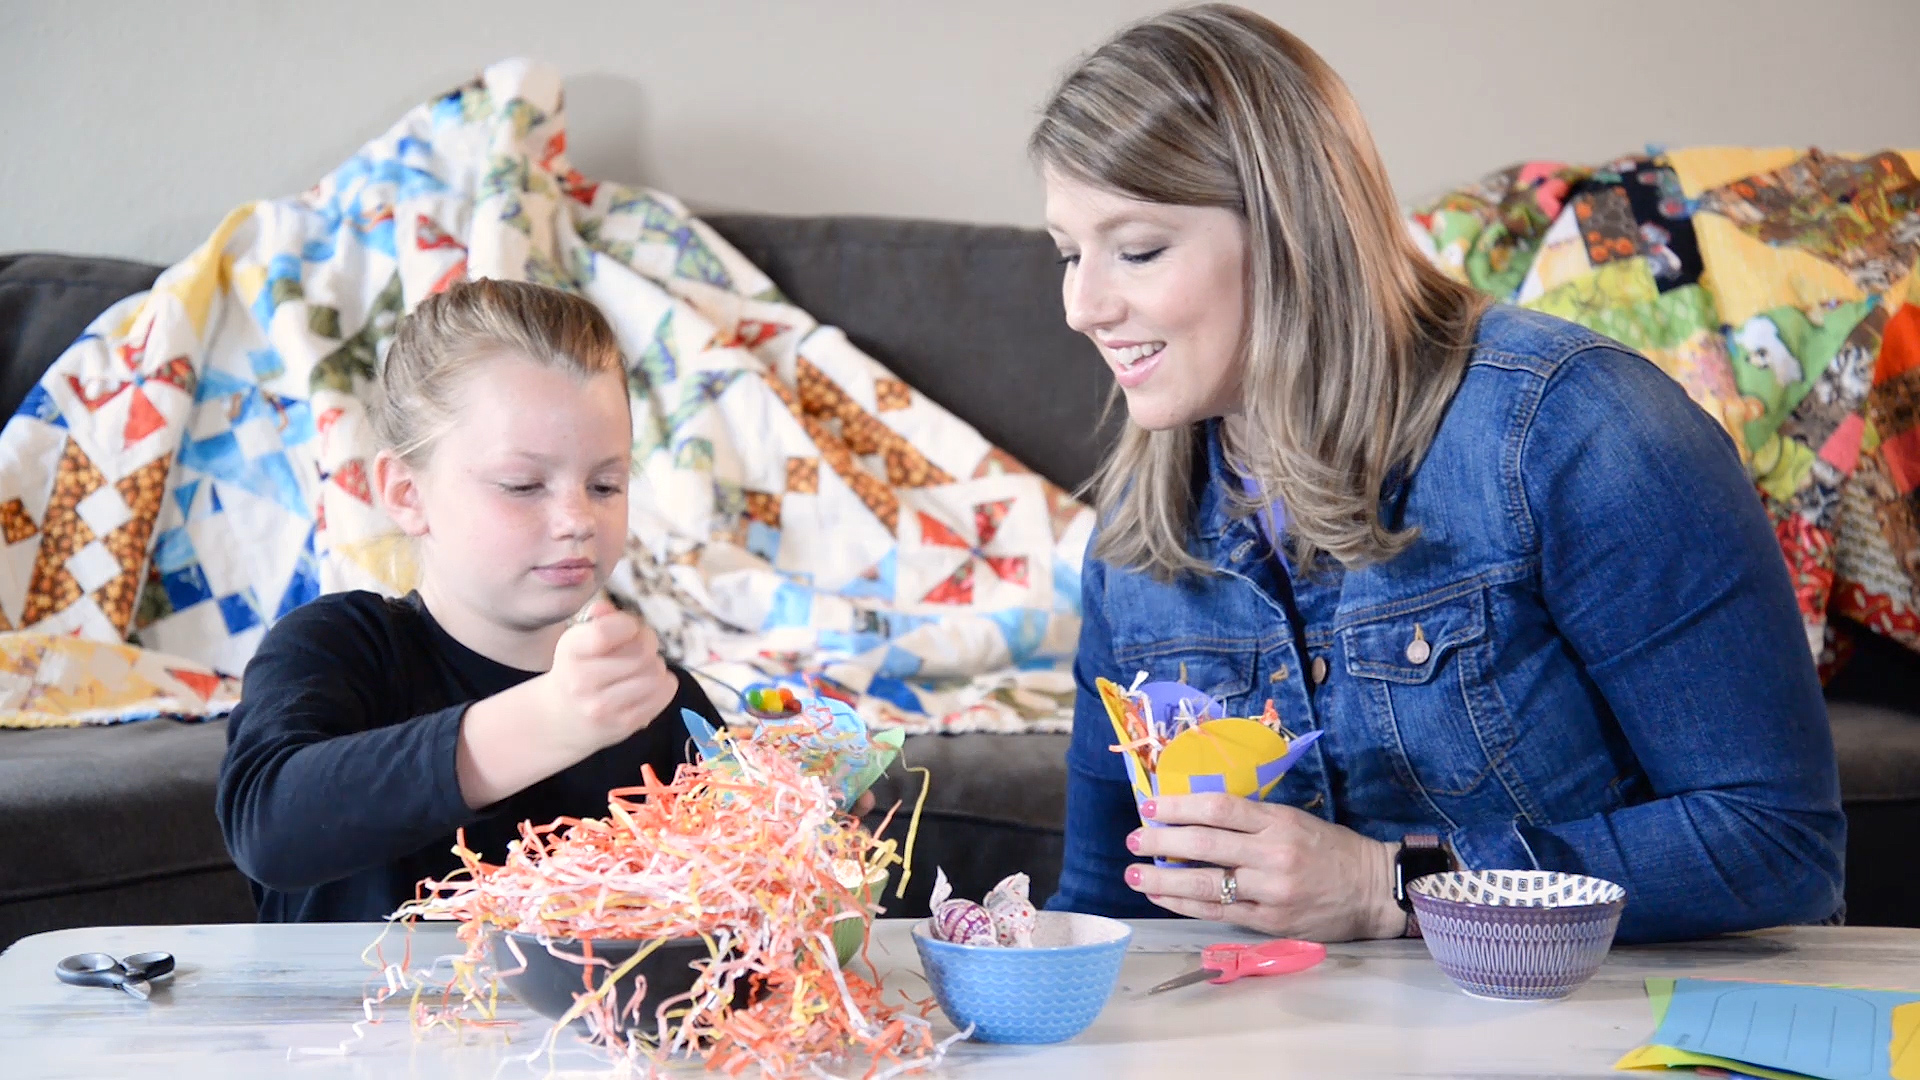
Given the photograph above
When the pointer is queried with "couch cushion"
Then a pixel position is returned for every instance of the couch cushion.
(1882, 888)
(1880, 671)
(45, 302)
(1005, 779)
(203, 896)
(1879, 752)
(997, 805)
(969, 315)
(98, 807)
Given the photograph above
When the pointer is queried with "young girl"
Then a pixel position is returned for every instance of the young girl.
(1519, 583)
(370, 729)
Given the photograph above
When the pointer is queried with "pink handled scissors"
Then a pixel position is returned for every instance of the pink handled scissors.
(1228, 962)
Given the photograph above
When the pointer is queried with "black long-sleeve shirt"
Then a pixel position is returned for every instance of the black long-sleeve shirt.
(338, 792)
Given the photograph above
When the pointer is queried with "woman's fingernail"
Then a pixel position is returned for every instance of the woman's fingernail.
(1133, 842)
(1133, 876)
(1147, 809)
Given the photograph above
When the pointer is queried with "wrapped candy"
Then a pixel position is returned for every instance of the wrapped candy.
(962, 922)
(1005, 917)
(1012, 913)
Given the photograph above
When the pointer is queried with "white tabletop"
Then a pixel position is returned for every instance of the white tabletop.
(256, 1001)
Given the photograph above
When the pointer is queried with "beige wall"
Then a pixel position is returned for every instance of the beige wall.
(128, 128)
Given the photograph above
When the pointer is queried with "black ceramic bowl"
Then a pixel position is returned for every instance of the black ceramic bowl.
(548, 983)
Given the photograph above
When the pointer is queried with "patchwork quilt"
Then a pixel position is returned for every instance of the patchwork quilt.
(1778, 287)
(195, 465)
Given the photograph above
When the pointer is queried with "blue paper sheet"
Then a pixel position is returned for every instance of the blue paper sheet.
(1828, 1032)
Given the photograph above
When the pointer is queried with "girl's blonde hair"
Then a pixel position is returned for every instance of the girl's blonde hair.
(439, 344)
(1355, 342)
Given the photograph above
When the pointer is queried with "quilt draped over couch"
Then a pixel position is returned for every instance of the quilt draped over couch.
(1779, 287)
(196, 464)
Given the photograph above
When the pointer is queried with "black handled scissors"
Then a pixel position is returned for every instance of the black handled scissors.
(134, 974)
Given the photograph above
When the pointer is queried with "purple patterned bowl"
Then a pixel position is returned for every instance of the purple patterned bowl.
(1517, 935)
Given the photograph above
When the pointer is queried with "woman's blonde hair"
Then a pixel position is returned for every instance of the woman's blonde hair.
(1355, 342)
(440, 343)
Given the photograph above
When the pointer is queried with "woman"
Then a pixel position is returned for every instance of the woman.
(1517, 580)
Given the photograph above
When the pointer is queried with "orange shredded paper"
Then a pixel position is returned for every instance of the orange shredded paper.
(752, 856)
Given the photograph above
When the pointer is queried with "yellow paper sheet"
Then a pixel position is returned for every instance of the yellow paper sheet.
(1906, 1042)
(1115, 700)
(1666, 1057)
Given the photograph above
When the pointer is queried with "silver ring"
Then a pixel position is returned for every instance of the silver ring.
(1229, 887)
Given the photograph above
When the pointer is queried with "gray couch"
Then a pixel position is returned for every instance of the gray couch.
(115, 825)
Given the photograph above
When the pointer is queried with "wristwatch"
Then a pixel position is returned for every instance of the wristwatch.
(1420, 854)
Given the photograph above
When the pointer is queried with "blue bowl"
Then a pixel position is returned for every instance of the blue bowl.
(1046, 994)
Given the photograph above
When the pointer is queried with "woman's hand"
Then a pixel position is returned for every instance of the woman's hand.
(1297, 876)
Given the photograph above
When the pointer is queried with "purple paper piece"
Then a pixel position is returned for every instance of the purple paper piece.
(1295, 750)
(1163, 703)
(1206, 782)
(1268, 772)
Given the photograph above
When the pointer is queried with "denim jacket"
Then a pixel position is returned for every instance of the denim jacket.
(1614, 678)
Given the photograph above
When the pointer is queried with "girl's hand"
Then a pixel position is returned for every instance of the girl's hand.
(608, 679)
(1298, 876)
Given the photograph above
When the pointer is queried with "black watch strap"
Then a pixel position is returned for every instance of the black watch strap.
(1420, 854)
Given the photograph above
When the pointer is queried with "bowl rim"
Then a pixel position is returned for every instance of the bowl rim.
(922, 935)
(528, 937)
(1417, 891)
(1566, 915)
